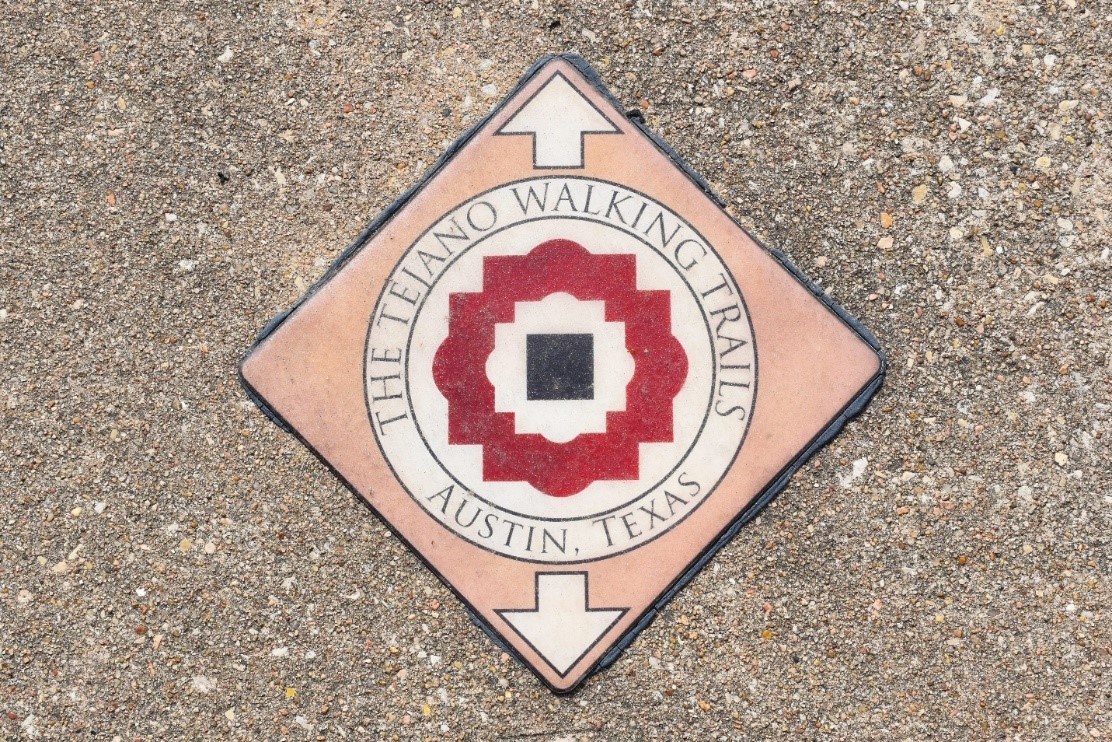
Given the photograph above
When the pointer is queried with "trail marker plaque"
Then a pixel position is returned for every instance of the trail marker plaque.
(561, 373)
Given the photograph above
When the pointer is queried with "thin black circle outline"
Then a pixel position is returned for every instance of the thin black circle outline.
(470, 490)
(714, 369)
(710, 491)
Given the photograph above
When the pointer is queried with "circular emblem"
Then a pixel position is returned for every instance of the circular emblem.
(560, 370)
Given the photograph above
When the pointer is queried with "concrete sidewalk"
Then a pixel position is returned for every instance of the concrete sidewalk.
(174, 566)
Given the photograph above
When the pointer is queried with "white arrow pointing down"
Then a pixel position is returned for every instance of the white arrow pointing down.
(562, 628)
(558, 117)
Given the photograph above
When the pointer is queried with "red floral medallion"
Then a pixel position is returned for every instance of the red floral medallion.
(459, 368)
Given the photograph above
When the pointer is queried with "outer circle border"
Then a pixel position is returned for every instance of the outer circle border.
(710, 491)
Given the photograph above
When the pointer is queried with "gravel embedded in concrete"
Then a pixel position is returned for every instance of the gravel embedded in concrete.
(173, 566)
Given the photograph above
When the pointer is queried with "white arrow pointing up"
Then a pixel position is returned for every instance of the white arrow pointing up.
(561, 628)
(558, 117)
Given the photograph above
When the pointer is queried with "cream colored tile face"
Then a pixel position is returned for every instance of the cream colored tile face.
(560, 372)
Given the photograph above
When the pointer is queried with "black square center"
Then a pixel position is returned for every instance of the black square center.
(560, 366)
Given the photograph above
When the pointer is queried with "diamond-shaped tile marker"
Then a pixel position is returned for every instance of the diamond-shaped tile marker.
(680, 372)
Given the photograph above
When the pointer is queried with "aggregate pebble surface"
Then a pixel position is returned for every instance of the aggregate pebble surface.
(173, 174)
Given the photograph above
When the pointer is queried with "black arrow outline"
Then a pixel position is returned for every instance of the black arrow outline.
(582, 134)
(586, 608)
